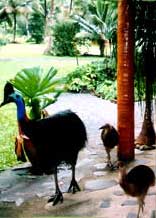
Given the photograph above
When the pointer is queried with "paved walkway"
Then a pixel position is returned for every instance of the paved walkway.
(23, 195)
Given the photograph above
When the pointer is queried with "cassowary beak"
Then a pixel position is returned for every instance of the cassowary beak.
(5, 101)
(2, 104)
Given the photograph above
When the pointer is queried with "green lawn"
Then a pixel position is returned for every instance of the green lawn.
(14, 57)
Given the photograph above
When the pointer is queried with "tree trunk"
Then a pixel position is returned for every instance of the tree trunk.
(14, 27)
(71, 6)
(101, 47)
(49, 23)
(125, 80)
(146, 138)
(45, 9)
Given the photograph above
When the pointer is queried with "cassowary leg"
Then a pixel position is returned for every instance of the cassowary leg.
(58, 197)
(74, 187)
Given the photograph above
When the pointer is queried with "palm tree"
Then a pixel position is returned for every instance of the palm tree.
(100, 23)
(146, 67)
(125, 80)
(14, 8)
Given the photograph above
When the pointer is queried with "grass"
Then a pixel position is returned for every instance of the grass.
(15, 57)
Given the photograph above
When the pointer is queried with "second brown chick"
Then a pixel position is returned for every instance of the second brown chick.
(110, 139)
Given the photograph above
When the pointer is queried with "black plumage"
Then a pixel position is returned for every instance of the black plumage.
(110, 139)
(54, 140)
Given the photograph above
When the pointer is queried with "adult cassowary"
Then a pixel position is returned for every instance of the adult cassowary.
(56, 139)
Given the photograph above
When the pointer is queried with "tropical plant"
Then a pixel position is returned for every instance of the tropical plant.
(14, 8)
(146, 66)
(98, 78)
(80, 7)
(64, 44)
(36, 27)
(38, 88)
(100, 23)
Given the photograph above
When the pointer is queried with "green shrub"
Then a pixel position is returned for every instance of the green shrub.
(64, 42)
(3, 41)
(36, 27)
(97, 77)
(107, 90)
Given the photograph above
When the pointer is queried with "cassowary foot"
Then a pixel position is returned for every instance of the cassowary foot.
(74, 187)
(58, 197)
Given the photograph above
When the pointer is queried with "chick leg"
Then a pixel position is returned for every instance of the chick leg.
(74, 187)
(58, 197)
(109, 163)
(138, 211)
(141, 206)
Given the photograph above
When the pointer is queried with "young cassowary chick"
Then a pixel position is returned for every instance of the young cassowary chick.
(110, 139)
(136, 182)
(54, 140)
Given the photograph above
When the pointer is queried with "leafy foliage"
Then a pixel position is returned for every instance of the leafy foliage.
(97, 77)
(35, 85)
(64, 43)
(100, 23)
(10, 10)
(146, 49)
(36, 27)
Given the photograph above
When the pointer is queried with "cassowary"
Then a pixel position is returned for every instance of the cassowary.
(54, 140)
(110, 139)
(136, 182)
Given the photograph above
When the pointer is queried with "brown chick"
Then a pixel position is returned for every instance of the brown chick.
(136, 182)
(110, 139)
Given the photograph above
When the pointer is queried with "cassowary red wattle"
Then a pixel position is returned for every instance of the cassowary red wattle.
(54, 140)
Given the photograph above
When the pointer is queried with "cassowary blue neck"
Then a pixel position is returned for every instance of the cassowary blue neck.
(21, 112)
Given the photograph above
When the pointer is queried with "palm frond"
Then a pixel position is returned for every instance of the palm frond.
(33, 82)
(38, 88)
